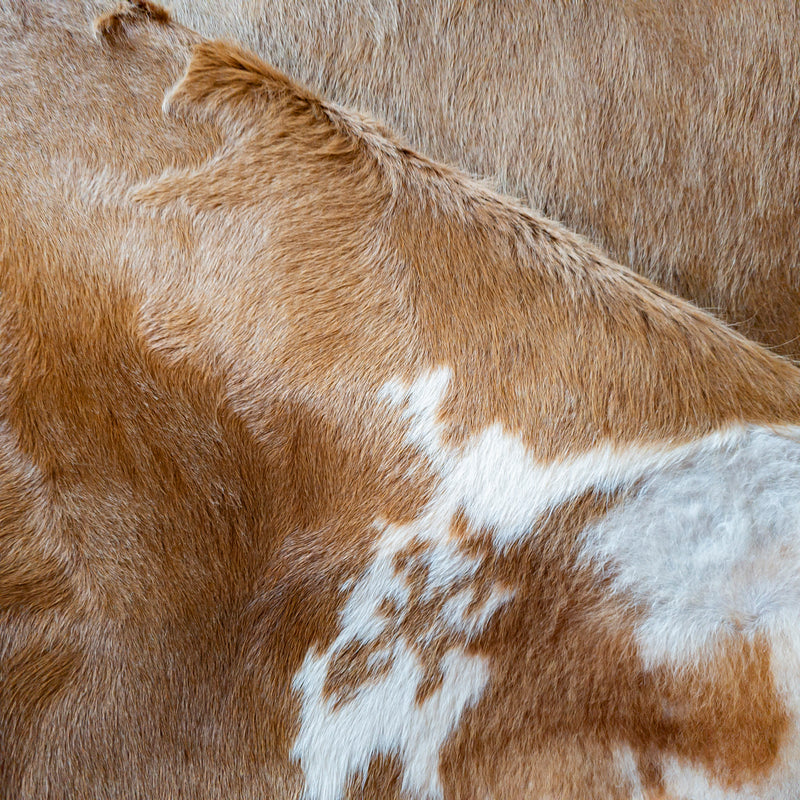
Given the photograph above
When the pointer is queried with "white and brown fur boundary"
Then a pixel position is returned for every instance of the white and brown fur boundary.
(325, 472)
(668, 132)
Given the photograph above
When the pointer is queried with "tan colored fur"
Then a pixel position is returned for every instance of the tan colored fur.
(669, 132)
(198, 307)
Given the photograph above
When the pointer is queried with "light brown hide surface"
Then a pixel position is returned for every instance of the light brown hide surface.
(197, 310)
(668, 132)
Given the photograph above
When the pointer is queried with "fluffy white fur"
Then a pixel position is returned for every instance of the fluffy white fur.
(500, 486)
(709, 545)
(706, 538)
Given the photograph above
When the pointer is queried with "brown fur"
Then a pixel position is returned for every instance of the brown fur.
(588, 677)
(197, 310)
(115, 22)
(667, 132)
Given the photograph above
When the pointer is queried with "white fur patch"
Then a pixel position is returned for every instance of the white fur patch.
(337, 742)
(497, 483)
(684, 782)
(707, 549)
(340, 734)
(705, 539)
(628, 771)
(709, 546)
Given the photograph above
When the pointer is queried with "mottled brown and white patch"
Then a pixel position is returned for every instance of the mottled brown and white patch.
(325, 471)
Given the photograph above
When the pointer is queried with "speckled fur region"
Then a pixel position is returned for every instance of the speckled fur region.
(326, 472)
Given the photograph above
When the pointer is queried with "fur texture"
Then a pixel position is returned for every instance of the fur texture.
(669, 132)
(325, 472)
